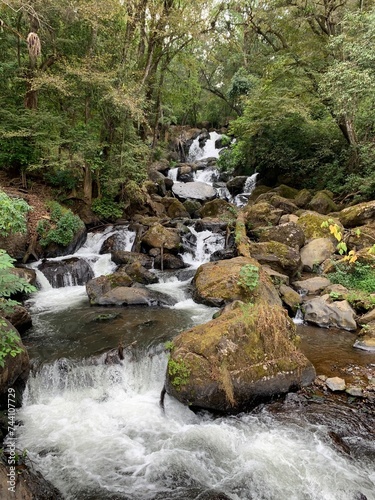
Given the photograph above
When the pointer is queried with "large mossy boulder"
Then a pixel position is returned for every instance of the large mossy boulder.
(277, 256)
(311, 224)
(219, 283)
(238, 360)
(322, 203)
(290, 234)
(218, 208)
(174, 208)
(261, 214)
(159, 236)
(303, 198)
(358, 214)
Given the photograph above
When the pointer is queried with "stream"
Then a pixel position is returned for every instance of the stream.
(95, 429)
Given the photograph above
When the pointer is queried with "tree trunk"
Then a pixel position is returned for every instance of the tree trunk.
(87, 184)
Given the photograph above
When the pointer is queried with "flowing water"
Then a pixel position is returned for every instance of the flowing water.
(94, 427)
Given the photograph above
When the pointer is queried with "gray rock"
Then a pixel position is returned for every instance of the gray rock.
(66, 272)
(338, 314)
(311, 286)
(316, 252)
(336, 384)
(193, 190)
(354, 391)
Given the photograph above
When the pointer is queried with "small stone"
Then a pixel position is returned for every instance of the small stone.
(322, 377)
(354, 391)
(335, 384)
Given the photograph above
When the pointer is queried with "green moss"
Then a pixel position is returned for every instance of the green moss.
(312, 226)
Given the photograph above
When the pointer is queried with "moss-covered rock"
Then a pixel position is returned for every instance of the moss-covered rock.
(218, 209)
(290, 234)
(284, 204)
(192, 207)
(278, 256)
(303, 198)
(140, 274)
(358, 214)
(218, 283)
(322, 203)
(286, 191)
(16, 368)
(159, 236)
(290, 298)
(311, 224)
(261, 214)
(174, 208)
(234, 362)
(361, 237)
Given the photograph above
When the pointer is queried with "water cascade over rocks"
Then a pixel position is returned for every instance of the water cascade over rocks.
(91, 418)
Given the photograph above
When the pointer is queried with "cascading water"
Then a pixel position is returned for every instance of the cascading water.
(96, 430)
(207, 151)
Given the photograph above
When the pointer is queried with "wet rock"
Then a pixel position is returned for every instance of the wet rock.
(289, 234)
(68, 272)
(218, 283)
(322, 203)
(29, 485)
(366, 338)
(338, 314)
(290, 297)
(193, 190)
(16, 369)
(140, 274)
(261, 214)
(236, 185)
(335, 384)
(20, 318)
(159, 236)
(316, 252)
(358, 215)
(311, 286)
(126, 258)
(237, 360)
(280, 257)
(226, 253)
(169, 261)
(213, 225)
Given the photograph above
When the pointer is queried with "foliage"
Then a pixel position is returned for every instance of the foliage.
(232, 160)
(9, 284)
(356, 276)
(60, 228)
(249, 277)
(107, 209)
(179, 372)
(12, 215)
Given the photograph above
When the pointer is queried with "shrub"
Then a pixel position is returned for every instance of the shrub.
(354, 276)
(12, 215)
(60, 228)
(107, 209)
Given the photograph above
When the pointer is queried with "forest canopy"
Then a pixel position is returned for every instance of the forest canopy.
(89, 89)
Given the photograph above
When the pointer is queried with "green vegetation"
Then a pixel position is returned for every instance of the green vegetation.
(10, 284)
(107, 209)
(179, 373)
(354, 276)
(249, 277)
(12, 215)
(60, 228)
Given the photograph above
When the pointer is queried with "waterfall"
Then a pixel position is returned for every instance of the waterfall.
(208, 151)
(200, 246)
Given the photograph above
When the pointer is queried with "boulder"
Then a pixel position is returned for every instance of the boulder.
(303, 198)
(16, 369)
(284, 219)
(20, 318)
(361, 237)
(290, 234)
(261, 214)
(232, 363)
(54, 250)
(311, 286)
(15, 245)
(114, 290)
(280, 257)
(366, 338)
(276, 278)
(286, 205)
(159, 236)
(311, 224)
(175, 209)
(322, 203)
(286, 191)
(236, 185)
(218, 208)
(169, 261)
(316, 252)
(125, 258)
(290, 298)
(358, 214)
(67, 272)
(140, 274)
(218, 283)
(29, 485)
(192, 207)
(338, 314)
(193, 190)
(26, 274)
